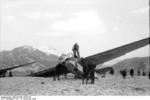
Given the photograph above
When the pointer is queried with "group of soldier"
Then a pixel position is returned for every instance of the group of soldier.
(88, 68)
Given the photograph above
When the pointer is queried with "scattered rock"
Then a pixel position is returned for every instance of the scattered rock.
(109, 85)
(77, 90)
(42, 83)
(139, 89)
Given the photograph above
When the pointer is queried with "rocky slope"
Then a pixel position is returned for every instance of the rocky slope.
(138, 63)
(26, 54)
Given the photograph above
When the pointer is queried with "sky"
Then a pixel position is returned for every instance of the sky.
(96, 25)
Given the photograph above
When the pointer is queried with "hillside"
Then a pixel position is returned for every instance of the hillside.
(138, 63)
(26, 54)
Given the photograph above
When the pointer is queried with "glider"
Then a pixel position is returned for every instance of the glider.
(96, 59)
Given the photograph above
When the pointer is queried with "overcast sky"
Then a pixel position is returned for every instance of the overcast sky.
(96, 25)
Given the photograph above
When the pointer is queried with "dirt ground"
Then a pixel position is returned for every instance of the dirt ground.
(110, 85)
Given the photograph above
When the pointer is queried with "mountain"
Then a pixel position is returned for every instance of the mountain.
(49, 50)
(137, 63)
(26, 54)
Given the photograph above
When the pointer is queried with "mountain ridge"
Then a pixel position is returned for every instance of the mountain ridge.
(26, 54)
(136, 63)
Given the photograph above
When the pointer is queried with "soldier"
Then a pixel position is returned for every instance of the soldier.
(76, 54)
(10, 73)
(75, 50)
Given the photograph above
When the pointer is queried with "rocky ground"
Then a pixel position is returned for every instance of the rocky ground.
(110, 85)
